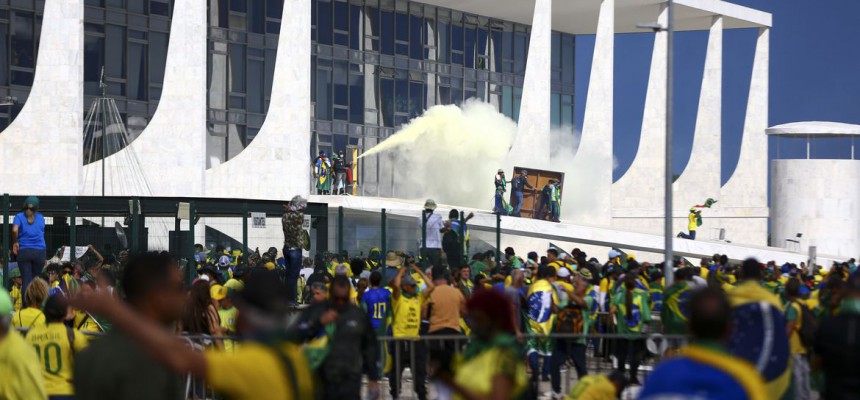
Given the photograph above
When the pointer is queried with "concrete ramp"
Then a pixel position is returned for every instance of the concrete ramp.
(567, 232)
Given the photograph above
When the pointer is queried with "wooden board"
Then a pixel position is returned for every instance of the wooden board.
(531, 197)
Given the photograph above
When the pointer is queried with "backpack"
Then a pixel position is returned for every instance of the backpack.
(569, 320)
(807, 325)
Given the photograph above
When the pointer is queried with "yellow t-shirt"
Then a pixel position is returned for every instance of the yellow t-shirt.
(15, 294)
(593, 387)
(254, 371)
(21, 369)
(228, 323)
(794, 344)
(55, 354)
(28, 318)
(406, 315)
(477, 373)
(85, 323)
(692, 224)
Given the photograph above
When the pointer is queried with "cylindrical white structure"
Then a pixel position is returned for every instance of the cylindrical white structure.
(818, 199)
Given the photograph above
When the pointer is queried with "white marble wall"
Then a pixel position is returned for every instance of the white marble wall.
(41, 151)
(641, 187)
(531, 143)
(275, 164)
(594, 155)
(172, 148)
(821, 200)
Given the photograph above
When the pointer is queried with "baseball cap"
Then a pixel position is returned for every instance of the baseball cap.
(407, 280)
(585, 273)
(430, 204)
(269, 265)
(614, 253)
(217, 292)
(234, 284)
(563, 273)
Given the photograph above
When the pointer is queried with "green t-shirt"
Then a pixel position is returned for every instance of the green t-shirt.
(478, 268)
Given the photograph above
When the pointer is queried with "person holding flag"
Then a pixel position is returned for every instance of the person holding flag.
(542, 301)
(694, 219)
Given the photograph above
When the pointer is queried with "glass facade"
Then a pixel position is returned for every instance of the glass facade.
(128, 38)
(20, 28)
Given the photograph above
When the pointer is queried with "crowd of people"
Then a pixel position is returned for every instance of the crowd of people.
(332, 175)
(333, 327)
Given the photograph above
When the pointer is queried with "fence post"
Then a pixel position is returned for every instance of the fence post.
(384, 233)
(73, 227)
(340, 230)
(6, 233)
(245, 234)
(177, 237)
(498, 237)
(192, 265)
(135, 225)
(462, 235)
(423, 238)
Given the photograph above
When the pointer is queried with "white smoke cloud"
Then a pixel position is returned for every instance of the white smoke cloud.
(450, 154)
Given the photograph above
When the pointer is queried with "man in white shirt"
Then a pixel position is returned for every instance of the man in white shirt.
(432, 249)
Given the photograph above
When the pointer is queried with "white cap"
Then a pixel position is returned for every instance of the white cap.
(563, 273)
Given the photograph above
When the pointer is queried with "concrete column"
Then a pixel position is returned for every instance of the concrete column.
(171, 151)
(41, 151)
(745, 193)
(701, 178)
(531, 143)
(276, 164)
(593, 161)
(639, 193)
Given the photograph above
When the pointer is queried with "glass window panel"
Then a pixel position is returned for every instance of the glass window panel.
(555, 110)
(341, 86)
(339, 142)
(444, 95)
(217, 81)
(387, 37)
(221, 6)
(159, 7)
(496, 50)
(469, 52)
(116, 3)
(341, 114)
(444, 43)
(275, 8)
(356, 98)
(137, 6)
(137, 71)
(456, 37)
(520, 53)
(238, 22)
(556, 50)
(401, 96)
(237, 68)
(23, 78)
(271, 57)
(23, 49)
(416, 40)
(518, 97)
(323, 94)
(416, 99)
(4, 58)
(157, 56)
(93, 61)
(508, 101)
(238, 5)
(256, 17)
(341, 16)
(386, 98)
(324, 32)
(567, 61)
(115, 51)
(255, 86)
(273, 27)
(402, 32)
(355, 34)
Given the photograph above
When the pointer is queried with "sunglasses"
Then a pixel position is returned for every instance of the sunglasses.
(31, 208)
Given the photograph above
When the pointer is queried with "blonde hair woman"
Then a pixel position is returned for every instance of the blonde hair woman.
(31, 316)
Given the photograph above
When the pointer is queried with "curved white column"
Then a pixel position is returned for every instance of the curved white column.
(42, 150)
(531, 144)
(639, 192)
(701, 178)
(171, 150)
(275, 164)
(744, 196)
(594, 155)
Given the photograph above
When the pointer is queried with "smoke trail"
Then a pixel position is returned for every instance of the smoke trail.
(449, 153)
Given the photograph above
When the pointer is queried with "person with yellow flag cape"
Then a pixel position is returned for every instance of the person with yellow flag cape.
(323, 173)
(759, 335)
(705, 369)
(542, 301)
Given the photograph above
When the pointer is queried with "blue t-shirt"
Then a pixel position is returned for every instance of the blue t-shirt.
(30, 236)
(377, 302)
(685, 378)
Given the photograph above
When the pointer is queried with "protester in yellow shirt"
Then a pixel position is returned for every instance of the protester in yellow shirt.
(56, 346)
(598, 387)
(227, 313)
(32, 316)
(85, 322)
(15, 293)
(407, 301)
(274, 369)
(21, 374)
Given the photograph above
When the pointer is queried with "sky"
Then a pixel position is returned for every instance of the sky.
(814, 76)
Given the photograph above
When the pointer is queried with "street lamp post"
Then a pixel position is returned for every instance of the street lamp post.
(669, 257)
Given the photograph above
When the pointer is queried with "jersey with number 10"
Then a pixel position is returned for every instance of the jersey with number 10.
(54, 348)
(377, 305)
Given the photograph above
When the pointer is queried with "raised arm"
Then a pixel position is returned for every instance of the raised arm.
(395, 284)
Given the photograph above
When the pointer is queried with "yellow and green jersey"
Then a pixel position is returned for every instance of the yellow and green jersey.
(27, 318)
(15, 294)
(56, 348)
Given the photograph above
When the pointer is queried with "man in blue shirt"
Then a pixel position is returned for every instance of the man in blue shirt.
(705, 369)
(517, 185)
(376, 303)
(28, 240)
